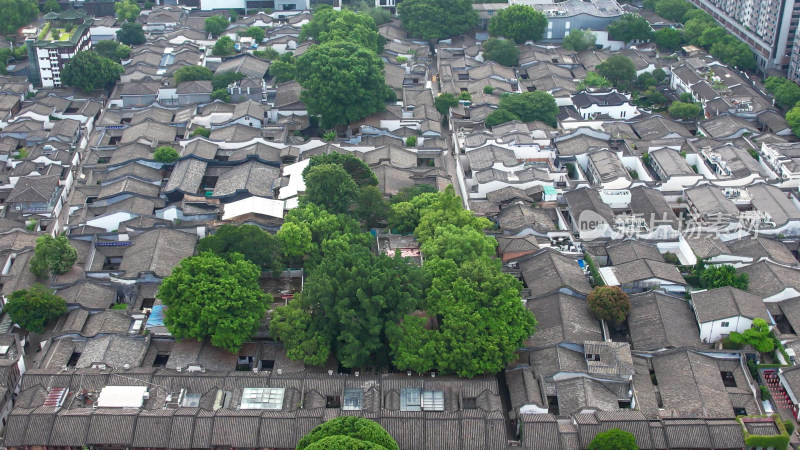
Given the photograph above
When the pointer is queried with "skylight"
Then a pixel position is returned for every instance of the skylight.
(262, 398)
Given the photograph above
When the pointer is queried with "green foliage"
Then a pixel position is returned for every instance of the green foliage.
(579, 40)
(444, 102)
(686, 111)
(697, 14)
(673, 10)
(21, 52)
(233, 15)
(360, 172)
(269, 54)
(686, 97)
(54, 255)
(342, 82)
(630, 27)
(340, 442)
(126, 10)
(659, 75)
(531, 106)
(130, 34)
(692, 31)
(363, 430)
(348, 303)
(411, 141)
(216, 25)
(724, 275)
(257, 33)
(329, 136)
(120, 306)
(221, 80)
(488, 90)
(192, 73)
(166, 155)
(51, 5)
(668, 39)
(793, 120)
(785, 92)
(224, 46)
(593, 80)
(758, 336)
(789, 425)
(371, 208)
(619, 70)
(597, 280)
(765, 395)
(520, 23)
(609, 303)
(499, 117)
(329, 25)
(645, 81)
(208, 296)
(16, 14)
(501, 51)
(33, 308)
(437, 19)
(459, 244)
(201, 131)
(221, 94)
(614, 439)
(671, 258)
(777, 442)
(284, 68)
(330, 186)
(408, 193)
(56, 34)
(250, 241)
(379, 15)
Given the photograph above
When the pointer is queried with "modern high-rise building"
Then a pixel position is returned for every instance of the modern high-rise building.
(767, 26)
(63, 35)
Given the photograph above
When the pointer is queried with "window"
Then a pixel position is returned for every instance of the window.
(262, 398)
(103, 160)
(725, 324)
(333, 401)
(592, 357)
(727, 378)
(267, 364)
(353, 399)
(148, 302)
(470, 403)
(73, 359)
(161, 360)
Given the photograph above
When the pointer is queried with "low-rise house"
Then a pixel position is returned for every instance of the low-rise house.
(605, 169)
(549, 271)
(589, 216)
(672, 168)
(723, 310)
(659, 321)
(562, 318)
(783, 161)
(644, 274)
(611, 103)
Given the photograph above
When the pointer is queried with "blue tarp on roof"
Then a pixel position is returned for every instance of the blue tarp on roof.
(156, 318)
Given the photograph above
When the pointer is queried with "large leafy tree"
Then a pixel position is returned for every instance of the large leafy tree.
(53, 255)
(785, 92)
(89, 71)
(499, 117)
(673, 10)
(329, 185)
(342, 82)
(520, 23)
(357, 169)
(531, 106)
(734, 52)
(341, 442)
(166, 154)
(33, 308)
(112, 50)
(501, 51)
(16, 14)
(363, 430)
(758, 336)
(614, 439)
(668, 39)
(224, 46)
(330, 25)
(609, 303)
(130, 34)
(371, 207)
(444, 102)
(126, 10)
(257, 33)
(459, 244)
(630, 27)
(254, 244)
(579, 40)
(686, 111)
(208, 296)
(192, 73)
(51, 6)
(216, 25)
(723, 275)
(619, 70)
(437, 19)
(283, 68)
(793, 120)
(346, 306)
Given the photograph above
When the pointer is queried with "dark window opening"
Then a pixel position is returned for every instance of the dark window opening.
(90, 200)
(244, 364)
(161, 360)
(103, 160)
(125, 120)
(531, 88)
(552, 404)
(112, 263)
(114, 140)
(739, 412)
(624, 404)
(592, 357)
(463, 76)
(727, 378)
(148, 302)
(209, 182)
(73, 359)
(344, 370)
(332, 401)
(470, 403)
(267, 364)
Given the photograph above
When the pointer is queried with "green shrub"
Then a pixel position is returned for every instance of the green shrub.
(120, 306)
(411, 141)
(765, 395)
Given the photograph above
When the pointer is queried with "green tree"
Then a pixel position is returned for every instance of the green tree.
(257, 33)
(442, 209)
(340, 442)
(330, 25)
(224, 46)
(521, 23)
(221, 94)
(405, 215)
(785, 92)
(444, 102)
(734, 52)
(697, 14)
(686, 111)
(793, 120)
(123, 52)
(108, 48)
(693, 29)
(201, 131)
(51, 6)
(673, 10)
(284, 68)
(531, 106)
(222, 80)
(579, 40)
(408, 193)
(501, 51)
(342, 82)
(619, 70)
(499, 116)
(459, 244)
(659, 75)
(254, 244)
(166, 155)
(126, 10)
(437, 19)
(630, 27)
(594, 80)
(363, 430)
(379, 15)
(224, 303)
(609, 303)
(347, 303)
(295, 240)
(216, 25)
(645, 81)
(668, 39)
(330, 186)
(32, 308)
(16, 14)
(758, 335)
(614, 439)
(371, 208)
(711, 35)
(54, 255)
(360, 172)
(130, 33)
(723, 275)
(269, 54)
(192, 73)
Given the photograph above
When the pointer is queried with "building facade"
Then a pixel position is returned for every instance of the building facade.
(62, 37)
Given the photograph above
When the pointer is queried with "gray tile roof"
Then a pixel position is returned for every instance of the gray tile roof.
(768, 278)
(157, 251)
(562, 318)
(645, 269)
(659, 321)
(620, 252)
(725, 302)
(548, 271)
